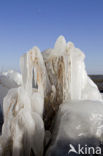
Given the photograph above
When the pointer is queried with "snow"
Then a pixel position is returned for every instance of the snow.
(13, 75)
(8, 80)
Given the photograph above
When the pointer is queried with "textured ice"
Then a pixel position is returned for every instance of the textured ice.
(66, 70)
(78, 122)
(80, 117)
(23, 128)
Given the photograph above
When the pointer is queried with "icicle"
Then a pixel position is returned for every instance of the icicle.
(35, 76)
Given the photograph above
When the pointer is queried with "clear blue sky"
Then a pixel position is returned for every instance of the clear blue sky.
(26, 23)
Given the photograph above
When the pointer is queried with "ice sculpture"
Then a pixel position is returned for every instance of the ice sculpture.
(23, 128)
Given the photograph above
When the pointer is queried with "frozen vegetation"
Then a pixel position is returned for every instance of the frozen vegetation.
(55, 92)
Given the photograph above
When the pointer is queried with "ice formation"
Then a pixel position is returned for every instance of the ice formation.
(78, 122)
(80, 116)
(23, 128)
(66, 71)
(54, 80)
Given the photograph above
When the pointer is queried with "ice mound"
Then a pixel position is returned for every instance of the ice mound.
(78, 122)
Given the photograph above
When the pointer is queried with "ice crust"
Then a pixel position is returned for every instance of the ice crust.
(56, 80)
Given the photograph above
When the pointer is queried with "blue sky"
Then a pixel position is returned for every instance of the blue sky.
(26, 23)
